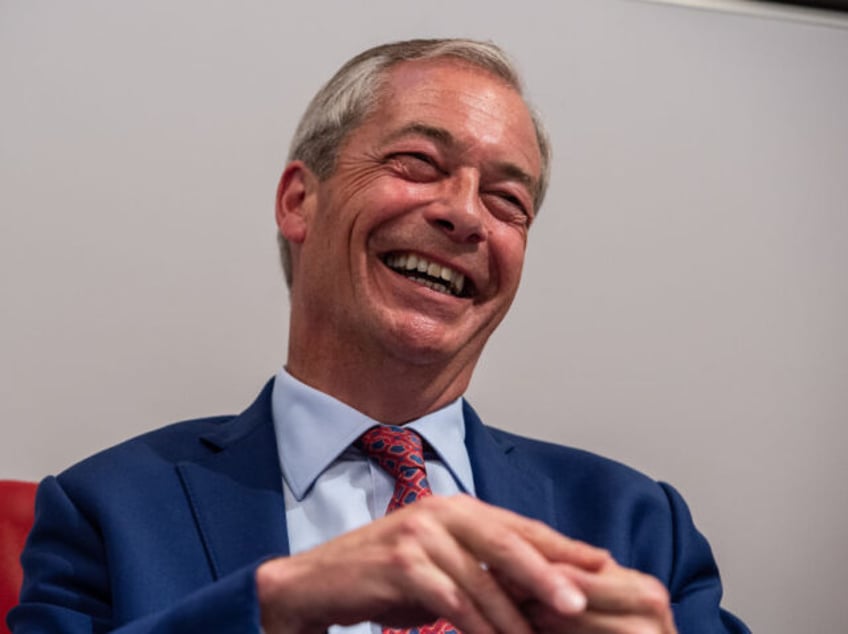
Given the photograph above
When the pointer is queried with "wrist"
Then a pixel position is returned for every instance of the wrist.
(281, 609)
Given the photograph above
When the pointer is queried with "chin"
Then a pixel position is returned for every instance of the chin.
(420, 341)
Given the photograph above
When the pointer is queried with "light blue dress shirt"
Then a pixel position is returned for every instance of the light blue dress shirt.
(331, 487)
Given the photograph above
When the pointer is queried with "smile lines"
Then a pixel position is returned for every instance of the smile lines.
(430, 274)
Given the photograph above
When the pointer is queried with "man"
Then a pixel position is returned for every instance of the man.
(403, 214)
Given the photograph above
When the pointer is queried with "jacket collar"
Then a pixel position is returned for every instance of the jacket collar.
(501, 476)
(235, 491)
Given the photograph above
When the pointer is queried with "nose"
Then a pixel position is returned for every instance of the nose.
(459, 212)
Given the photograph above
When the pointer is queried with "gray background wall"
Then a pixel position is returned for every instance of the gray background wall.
(684, 303)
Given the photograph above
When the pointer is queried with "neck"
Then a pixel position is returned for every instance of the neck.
(384, 387)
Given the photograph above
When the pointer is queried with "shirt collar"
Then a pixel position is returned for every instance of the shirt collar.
(313, 429)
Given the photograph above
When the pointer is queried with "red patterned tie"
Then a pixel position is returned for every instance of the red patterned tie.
(400, 453)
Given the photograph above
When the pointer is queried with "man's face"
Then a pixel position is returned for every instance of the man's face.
(413, 247)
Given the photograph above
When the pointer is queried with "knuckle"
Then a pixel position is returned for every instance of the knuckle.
(405, 556)
(460, 501)
(454, 601)
(412, 526)
(606, 557)
(432, 503)
(503, 543)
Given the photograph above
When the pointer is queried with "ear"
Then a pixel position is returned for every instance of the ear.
(295, 201)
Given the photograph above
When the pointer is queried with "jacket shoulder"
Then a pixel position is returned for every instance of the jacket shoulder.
(170, 444)
(187, 440)
(582, 468)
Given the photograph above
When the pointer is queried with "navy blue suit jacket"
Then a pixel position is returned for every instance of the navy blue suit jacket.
(163, 533)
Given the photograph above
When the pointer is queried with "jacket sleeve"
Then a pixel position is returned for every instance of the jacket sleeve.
(68, 584)
(694, 581)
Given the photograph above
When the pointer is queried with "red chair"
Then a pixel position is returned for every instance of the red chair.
(17, 507)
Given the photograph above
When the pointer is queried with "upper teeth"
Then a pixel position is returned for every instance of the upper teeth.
(453, 280)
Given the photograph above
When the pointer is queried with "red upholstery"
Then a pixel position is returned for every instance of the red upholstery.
(17, 506)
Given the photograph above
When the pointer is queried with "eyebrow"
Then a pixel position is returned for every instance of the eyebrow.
(445, 138)
(440, 135)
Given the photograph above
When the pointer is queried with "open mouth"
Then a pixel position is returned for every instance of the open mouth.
(433, 275)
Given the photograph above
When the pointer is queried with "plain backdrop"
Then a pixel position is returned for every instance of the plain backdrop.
(684, 304)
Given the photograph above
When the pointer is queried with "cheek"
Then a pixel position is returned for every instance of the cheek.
(509, 245)
(509, 266)
(402, 194)
(390, 200)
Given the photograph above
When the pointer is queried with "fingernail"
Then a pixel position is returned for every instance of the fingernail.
(569, 600)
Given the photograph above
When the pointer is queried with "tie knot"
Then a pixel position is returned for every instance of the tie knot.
(400, 453)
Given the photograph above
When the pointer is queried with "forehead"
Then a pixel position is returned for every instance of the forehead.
(478, 109)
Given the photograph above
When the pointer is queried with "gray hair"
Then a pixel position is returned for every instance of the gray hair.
(354, 91)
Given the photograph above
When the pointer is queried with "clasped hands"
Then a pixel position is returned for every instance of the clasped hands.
(484, 569)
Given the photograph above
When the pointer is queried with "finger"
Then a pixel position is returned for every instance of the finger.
(556, 547)
(624, 591)
(552, 544)
(419, 590)
(462, 579)
(546, 622)
(491, 535)
(441, 597)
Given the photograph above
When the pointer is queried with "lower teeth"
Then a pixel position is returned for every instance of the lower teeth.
(440, 288)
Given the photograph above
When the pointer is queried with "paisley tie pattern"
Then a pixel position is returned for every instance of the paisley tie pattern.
(400, 453)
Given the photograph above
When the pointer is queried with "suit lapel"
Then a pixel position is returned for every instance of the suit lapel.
(235, 491)
(501, 477)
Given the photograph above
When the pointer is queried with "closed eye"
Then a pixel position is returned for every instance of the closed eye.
(508, 204)
(416, 166)
(513, 200)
